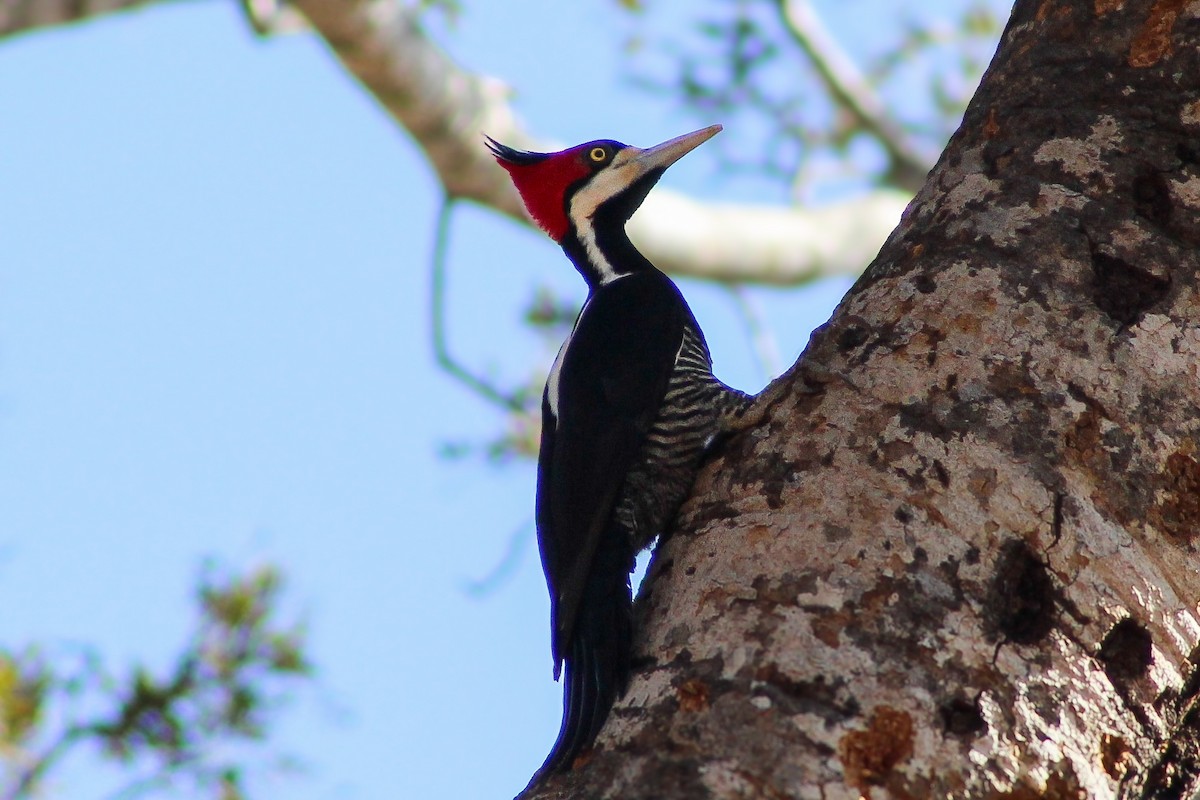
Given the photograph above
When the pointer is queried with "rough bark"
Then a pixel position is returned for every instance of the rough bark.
(959, 557)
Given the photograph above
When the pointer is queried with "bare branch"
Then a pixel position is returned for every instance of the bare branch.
(18, 16)
(446, 360)
(764, 244)
(518, 547)
(29, 778)
(447, 109)
(852, 91)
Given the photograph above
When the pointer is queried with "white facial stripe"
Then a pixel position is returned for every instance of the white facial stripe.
(587, 235)
(606, 184)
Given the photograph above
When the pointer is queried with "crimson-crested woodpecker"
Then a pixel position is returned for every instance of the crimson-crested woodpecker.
(629, 409)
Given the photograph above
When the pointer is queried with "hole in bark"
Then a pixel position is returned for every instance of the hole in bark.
(962, 717)
(997, 154)
(851, 338)
(1123, 291)
(924, 283)
(1188, 151)
(1152, 196)
(1126, 651)
(639, 663)
(1022, 602)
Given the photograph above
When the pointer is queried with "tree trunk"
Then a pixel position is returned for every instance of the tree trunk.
(958, 558)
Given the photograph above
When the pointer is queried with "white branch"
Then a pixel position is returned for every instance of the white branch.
(764, 244)
(447, 109)
(443, 107)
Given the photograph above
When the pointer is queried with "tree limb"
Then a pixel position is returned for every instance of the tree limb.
(446, 110)
(763, 244)
(851, 91)
(29, 777)
(19, 16)
(510, 401)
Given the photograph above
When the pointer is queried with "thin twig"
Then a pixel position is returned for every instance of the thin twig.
(852, 91)
(437, 302)
(143, 786)
(27, 784)
(506, 567)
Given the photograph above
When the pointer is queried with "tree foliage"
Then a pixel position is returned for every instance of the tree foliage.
(827, 119)
(183, 727)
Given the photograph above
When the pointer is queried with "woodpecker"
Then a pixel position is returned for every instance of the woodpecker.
(629, 409)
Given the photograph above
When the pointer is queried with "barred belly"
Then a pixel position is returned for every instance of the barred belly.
(692, 412)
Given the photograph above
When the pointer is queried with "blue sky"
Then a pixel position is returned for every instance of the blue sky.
(214, 342)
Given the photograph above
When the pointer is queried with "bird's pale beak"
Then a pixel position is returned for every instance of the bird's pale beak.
(664, 155)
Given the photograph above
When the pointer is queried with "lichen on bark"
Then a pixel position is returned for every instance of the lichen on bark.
(959, 557)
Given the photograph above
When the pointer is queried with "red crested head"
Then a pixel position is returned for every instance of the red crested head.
(543, 180)
(573, 186)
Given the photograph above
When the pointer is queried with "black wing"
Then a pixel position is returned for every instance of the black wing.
(611, 382)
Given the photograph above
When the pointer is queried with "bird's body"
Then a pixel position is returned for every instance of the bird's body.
(629, 409)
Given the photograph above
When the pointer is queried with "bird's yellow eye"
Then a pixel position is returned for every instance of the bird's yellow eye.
(598, 154)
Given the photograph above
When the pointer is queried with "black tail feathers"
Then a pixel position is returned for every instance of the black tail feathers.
(598, 658)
